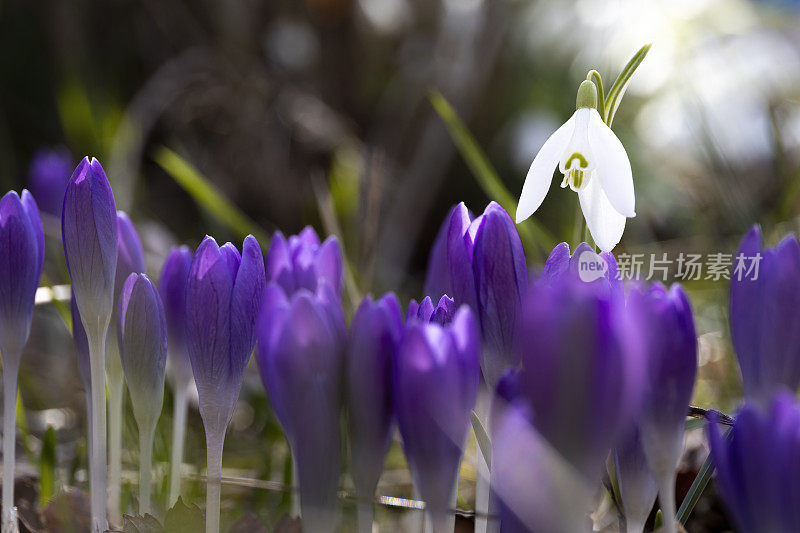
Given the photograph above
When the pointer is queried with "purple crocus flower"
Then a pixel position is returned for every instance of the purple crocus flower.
(372, 348)
(670, 348)
(758, 472)
(223, 294)
(582, 369)
(142, 334)
(300, 355)
(436, 379)
(488, 273)
(89, 232)
(765, 316)
(172, 287)
(441, 314)
(48, 175)
(82, 347)
(301, 262)
(21, 258)
(561, 263)
(131, 253)
(437, 277)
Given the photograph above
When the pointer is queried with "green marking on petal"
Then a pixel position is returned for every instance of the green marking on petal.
(581, 160)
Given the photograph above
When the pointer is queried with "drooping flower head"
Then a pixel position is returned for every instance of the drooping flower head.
(436, 379)
(765, 314)
(172, 288)
(142, 334)
(21, 260)
(594, 164)
(371, 350)
(300, 355)
(48, 175)
(758, 472)
(223, 295)
(301, 262)
(89, 233)
(488, 273)
(582, 369)
(441, 314)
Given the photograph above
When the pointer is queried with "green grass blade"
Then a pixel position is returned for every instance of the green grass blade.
(533, 234)
(47, 467)
(698, 486)
(617, 90)
(482, 437)
(207, 196)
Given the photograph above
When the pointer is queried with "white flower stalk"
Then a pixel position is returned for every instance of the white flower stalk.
(594, 165)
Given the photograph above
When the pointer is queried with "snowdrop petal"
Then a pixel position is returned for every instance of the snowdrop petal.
(537, 182)
(613, 166)
(605, 224)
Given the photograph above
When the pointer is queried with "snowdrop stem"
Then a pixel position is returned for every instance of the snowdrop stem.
(10, 372)
(178, 436)
(595, 77)
(146, 435)
(214, 442)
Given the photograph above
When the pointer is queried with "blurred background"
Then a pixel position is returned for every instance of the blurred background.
(319, 112)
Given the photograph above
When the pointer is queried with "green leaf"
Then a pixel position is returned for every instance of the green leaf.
(482, 437)
(47, 467)
(183, 518)
(207, 196)
(617, 90)
(22, 429)
(698, 486)
(694, 423)
(532, 233)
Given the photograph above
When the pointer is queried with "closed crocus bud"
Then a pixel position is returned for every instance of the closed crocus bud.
(765, 314)
(89, 233)
(81, 346)
(437, 277)
(584, 264)
(22, 253)
(131, 253)
(436, 379)
(371, 350)
(172, 287)
(300, 355)
(670, 349)
(223, 294)
(758, 474)
(142, 333)
(637, 486)
(575, 337)
(301, 262)
(48, 175)
(21, 257)
(488, 272)
(441, 314)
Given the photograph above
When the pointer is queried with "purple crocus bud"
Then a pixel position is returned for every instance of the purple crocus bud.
(82, 347)
(89, 233)
(223, 294)
(424, 311)
(21, 259)
(436, 379)
(583, 264)
(131, 253)
(437, 278)
(488, 272)
(535, 488)
(48, 175)
(758, 474)
(300, 355)
(637, 486)
(142, 334)
(670, 346)
(765, 314)
(372, 348)
(172, 287)
(301, 262)
(575, 337)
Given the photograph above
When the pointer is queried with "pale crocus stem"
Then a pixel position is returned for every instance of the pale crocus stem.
(116, 394)
(366, 515)
(632, 526)
(666, 499)
(97, 461)
(178, 436)
(10, 372)
(146, 436)
(214, 442)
